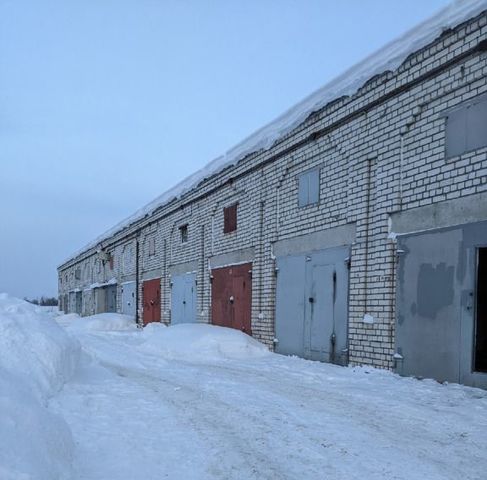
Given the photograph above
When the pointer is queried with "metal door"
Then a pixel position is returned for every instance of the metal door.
(72, 302)
(128, 299)
(231, 297)
(111, 298)
(100, 300)
(183, 298)
(436, 292)
(152, 301)
(79, 303)
(290, 305)
(312, 305)
(318, 317)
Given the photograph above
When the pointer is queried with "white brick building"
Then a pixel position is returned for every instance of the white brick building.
(358, 237)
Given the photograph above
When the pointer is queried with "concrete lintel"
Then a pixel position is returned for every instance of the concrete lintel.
(181, 268)
(440, 215)
(128, 278)
(151, 274)
(245, 255)
(332, 237)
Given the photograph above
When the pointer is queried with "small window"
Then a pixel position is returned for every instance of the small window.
(230, 218)
(309, 188)
(111, 261)
(152, 246)
(183, 233)
(77, 274)
(466, 128)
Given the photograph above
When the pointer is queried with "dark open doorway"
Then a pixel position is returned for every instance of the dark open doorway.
(481, 313)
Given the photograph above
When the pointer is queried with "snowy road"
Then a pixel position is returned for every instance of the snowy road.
(136, 415)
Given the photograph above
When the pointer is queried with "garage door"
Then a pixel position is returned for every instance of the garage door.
(128, 299)
(111, 298)
(312, 305)
(183, 298)
(152, 300)
(231, 297)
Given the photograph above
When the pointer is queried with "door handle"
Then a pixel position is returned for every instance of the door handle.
(152, 302)
(231, 299)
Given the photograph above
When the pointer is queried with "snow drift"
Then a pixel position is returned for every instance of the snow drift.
(200, 343)
(36, 358)
(101, 322)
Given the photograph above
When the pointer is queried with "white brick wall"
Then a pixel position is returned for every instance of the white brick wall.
(364, 178)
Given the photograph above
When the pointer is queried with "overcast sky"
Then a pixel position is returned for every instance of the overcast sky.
(106, 104)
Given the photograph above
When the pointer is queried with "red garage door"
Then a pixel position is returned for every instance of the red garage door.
(152, 300)
(231, 297)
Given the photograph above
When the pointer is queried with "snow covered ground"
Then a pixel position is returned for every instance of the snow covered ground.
(202, 402)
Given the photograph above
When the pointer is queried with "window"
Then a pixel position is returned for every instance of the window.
(152, 246)
(309, 187)
(77, 274)
(111, 261)
(183, 233)
(230, 218)
(466, 128)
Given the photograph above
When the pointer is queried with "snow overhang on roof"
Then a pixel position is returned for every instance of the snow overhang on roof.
(388, 58)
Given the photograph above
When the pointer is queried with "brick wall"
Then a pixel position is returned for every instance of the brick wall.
(382, 151)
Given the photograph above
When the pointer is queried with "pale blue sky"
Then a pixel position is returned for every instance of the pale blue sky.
(106, 104)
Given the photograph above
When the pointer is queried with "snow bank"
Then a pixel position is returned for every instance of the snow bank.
(34, 347)
(200, 342)
(102, 322)
(36, 358)
(388, 58)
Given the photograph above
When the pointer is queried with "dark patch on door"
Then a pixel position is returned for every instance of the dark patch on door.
(435, 289)
(231, 297)
(152, 300)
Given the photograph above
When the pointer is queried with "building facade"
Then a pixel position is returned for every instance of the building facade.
(359, 237)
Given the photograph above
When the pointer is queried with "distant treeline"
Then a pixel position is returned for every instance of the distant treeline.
(43, 301)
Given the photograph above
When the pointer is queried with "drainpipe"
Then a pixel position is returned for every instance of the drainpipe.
(212, 232)
(200, 288)
(401, 164)
(261, 256)
(137, 280)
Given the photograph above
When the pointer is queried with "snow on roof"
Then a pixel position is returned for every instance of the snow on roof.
(388, 58)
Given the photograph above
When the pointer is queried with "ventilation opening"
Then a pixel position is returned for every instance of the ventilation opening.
(481, 313)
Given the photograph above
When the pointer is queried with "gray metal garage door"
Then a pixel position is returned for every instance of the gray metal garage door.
(312, 305)
(128, 299)
(183, 298)
(436, 304)
(79, 303)
(111, 298)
